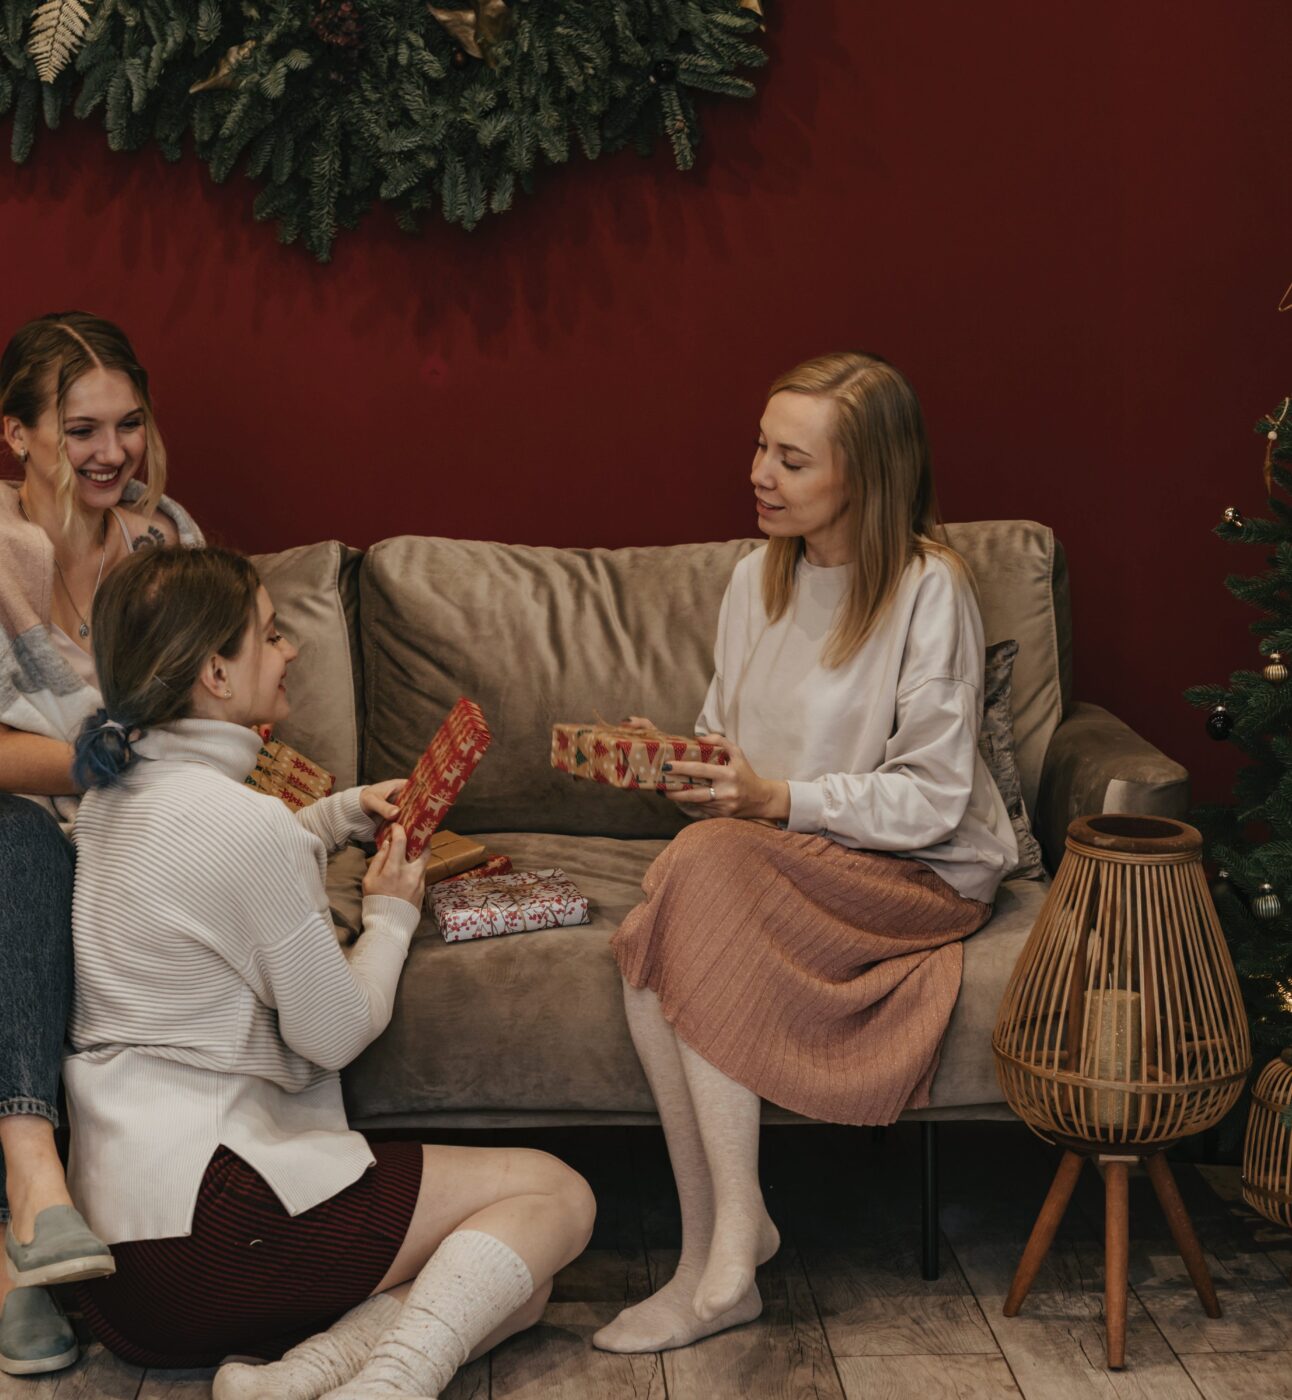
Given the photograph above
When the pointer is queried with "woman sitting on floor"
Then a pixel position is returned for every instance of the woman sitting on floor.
(212, 1012)
(803, 945)
(78, 421)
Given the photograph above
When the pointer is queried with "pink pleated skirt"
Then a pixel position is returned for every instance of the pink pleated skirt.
(820, 977)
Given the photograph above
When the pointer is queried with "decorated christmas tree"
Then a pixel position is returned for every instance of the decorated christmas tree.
(1250, 838)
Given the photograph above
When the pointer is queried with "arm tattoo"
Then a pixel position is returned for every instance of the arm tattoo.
(153, 538)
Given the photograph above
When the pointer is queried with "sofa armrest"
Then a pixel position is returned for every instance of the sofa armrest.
(1096, 763)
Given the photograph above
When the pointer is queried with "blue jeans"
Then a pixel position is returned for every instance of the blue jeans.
(36, 868)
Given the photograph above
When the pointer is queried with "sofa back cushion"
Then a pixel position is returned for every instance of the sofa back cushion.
(536, 635)
(315, 589)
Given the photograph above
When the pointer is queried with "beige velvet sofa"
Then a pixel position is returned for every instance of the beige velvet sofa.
(529, 1029)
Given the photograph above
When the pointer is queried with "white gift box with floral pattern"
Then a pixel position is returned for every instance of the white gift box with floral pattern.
(517, 903)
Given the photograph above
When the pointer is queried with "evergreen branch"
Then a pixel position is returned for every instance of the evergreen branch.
(57, 28)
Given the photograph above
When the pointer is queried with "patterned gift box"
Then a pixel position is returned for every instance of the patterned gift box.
(485, 907)
(629, 758)
(493, 864)
(440, 775)
(452, 855)
(287, 775)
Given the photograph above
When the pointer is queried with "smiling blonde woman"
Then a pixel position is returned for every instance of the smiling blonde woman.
(801, 942)
(78, 422)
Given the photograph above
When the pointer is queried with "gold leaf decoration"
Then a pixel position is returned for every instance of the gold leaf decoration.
(477, 26)
(57, 28)
(225, 75)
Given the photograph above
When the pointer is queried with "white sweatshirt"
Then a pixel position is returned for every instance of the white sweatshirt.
(212, 1004)
(882, 752)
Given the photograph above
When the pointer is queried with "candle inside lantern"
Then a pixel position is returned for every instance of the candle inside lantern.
(1112, 1050)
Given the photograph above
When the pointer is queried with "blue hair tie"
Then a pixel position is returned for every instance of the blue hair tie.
(103, 751)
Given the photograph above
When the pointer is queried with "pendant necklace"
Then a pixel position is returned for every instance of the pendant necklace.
(84, 629)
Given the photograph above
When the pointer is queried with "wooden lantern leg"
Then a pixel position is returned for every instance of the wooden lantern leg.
(1116, 1260)
(1182, 1231)
(1043, 1232)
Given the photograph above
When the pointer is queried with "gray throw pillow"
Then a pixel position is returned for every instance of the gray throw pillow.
(996, 744)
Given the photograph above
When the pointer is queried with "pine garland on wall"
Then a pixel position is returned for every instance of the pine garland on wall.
(336, 105)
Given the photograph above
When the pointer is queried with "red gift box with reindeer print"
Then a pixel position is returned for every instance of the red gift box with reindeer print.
(629, 758)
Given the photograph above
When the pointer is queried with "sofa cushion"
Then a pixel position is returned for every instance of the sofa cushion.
(315, 589)
(535, 1022)
(535, 636)
(1022, 587)
(530, 1020)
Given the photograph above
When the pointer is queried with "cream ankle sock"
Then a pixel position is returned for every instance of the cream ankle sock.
(470, 1285)
(314, 1365)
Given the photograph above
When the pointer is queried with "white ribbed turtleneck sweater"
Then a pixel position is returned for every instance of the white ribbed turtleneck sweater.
(212, 1003)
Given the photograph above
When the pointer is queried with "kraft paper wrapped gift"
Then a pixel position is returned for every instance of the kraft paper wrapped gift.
(519, 903)
(629, 758)
(291, 777)
(451, 855)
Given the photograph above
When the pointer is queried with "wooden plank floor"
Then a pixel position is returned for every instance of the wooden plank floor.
(847, 1315)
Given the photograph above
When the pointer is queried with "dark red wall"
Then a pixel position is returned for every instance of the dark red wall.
(1067, 223)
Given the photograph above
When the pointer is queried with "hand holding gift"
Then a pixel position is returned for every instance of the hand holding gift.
(377, 800)
(730, 790)
(630, 755)
(391, 873)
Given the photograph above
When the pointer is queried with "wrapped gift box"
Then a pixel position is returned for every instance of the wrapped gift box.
(291, 777)
(451, 855)
(485, 907)
(493, 864)
(440, 775)
(629, 758)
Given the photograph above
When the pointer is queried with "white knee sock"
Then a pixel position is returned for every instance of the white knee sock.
(315, 1365)
(470, 1285)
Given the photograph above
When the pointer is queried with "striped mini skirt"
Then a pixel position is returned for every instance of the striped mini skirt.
(251, 1279)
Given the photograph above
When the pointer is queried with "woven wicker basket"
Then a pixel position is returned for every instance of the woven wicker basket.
(1267, 1151)
(1122, 1023)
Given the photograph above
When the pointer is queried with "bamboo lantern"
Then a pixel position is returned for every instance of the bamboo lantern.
(1123, 1023)
(1122, 1030)
(1267, 1152)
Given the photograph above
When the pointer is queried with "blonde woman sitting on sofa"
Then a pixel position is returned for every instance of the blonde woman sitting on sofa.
(212, 1011)
(802, 944)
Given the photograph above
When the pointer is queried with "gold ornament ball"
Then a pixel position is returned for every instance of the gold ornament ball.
(1267, 904)
(1232, 517)
(1276, 671)
(1272, 435)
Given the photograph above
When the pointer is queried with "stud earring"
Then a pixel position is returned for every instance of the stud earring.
(22, 454)
(228, 695)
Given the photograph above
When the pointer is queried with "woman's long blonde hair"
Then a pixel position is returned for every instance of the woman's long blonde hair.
(891, 511)
(42, 362)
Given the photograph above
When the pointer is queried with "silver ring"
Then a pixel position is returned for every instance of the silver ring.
(713, 795)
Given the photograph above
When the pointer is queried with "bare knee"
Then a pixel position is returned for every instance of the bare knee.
(532, 1311)
(570, 1194)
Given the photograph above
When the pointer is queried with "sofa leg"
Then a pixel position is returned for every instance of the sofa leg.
(931, 1226)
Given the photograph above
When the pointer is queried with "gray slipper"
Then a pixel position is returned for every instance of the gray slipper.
(63, 1249)
(34, 1335)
